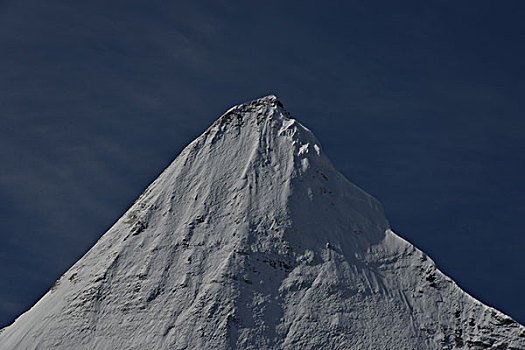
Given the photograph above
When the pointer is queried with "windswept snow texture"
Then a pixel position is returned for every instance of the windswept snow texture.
(251, 239)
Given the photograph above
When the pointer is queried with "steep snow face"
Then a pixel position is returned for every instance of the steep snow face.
(251, 239)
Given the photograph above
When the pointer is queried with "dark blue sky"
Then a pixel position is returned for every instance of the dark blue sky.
(421, 103)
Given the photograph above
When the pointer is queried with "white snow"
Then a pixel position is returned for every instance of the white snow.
(251, 239)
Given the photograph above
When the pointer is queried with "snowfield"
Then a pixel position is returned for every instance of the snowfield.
(251, 239)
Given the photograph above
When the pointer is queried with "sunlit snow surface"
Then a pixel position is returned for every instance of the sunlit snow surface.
(251, 239)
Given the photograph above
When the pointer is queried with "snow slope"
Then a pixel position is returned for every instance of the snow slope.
(251, 239)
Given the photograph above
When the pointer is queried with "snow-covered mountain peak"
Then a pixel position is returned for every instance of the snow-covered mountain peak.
(251, 239)
(264, 122)
(264, 107)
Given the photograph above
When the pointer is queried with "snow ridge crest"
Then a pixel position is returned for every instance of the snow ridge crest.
(252, 239)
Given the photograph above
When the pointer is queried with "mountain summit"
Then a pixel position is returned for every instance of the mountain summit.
(251, 239)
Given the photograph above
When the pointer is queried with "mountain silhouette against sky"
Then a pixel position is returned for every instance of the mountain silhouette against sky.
(251, 239)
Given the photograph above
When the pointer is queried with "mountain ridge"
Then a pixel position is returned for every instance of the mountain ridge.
(251, 239)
